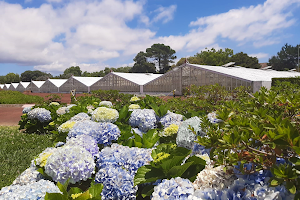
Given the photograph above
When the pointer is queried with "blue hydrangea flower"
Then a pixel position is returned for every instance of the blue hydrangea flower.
(86, 142)
(103, 133)
(123, 156)
(42, 114)
(72, 162)
(185, 137)
(80, 117)
(31, 191)
(178, 188)
(207, 194)
(117, 182)
(27, 109)
(144, 119)
(199, 149)
(30, 175)
(171, 118)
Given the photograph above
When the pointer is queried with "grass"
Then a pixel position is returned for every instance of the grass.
(17, 149)
(15, 97)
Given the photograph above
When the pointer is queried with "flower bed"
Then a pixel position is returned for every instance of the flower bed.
(139, 153)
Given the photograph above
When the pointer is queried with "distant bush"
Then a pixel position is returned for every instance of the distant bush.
(15, 97)
(293, 80)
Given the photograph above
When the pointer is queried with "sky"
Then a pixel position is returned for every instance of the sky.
(52, 35)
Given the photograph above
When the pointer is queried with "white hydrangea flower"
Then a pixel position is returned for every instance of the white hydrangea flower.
(106, 104)
(103, 114)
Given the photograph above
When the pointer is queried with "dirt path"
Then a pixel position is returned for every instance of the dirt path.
(10, 116)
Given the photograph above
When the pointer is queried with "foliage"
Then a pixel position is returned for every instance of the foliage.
(35, 75)
(114, 96)
(54, 97)
(243, 60)
(15, 97)
(286, 58)
(215, 58)
(10, 78)
(291, 80)
(162, 55)
(141, 65)
(262, 131)
(93, 192)
(17, 150)
(168, 163)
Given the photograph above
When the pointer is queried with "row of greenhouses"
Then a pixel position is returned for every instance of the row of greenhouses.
(175, 80)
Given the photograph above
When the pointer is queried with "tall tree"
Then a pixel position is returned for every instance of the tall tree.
(213, 57)
(75, 71)
(162, 55)
(285, 59)
(34, 75)
(243, 60)
(141, 65)
(12, 78)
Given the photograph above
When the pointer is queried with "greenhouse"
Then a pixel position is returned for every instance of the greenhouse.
(35, 86)
(124, 82)
(52, 85)
(13, 86)
(80, 84)
(230, 77)
(6, 86)
(1, 86)
(23, 86)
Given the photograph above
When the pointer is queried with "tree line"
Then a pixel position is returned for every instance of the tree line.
(159, 57)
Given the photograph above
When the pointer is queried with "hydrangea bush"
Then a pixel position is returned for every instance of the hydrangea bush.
(103, 114)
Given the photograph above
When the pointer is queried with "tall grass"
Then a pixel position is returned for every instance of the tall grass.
(15, 97)
(17, 149)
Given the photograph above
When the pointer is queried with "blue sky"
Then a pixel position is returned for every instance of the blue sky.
(52, 35)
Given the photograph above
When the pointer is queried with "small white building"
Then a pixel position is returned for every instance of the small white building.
(23, 86)
(34, 86)
(1, 86)
(6, 86)
(124, 82)
(52, 85)
(78, 83)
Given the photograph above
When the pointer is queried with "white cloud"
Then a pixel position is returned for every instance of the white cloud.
(96, 31)
(259, 55)
(165, 13)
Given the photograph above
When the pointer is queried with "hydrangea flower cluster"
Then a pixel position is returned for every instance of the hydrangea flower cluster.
(106, 104)
(30, 175)
(171, 118)
(64, 110)
(42, 114)
(117, 182)
(175, 188)
(80, 117)
(134, 106)
(41, 160)
(123, 156)
(27, 109)
(54, 103)
(213, 177)
(86, 142)
(212, 117)
(134, 99)
(66, 127)
(31, 191)
(170, 130)
(103, 133)
(185, 137)
(72, 162)
(103, 114)
(144, 119)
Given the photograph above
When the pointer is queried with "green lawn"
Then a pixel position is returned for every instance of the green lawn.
(17, 149)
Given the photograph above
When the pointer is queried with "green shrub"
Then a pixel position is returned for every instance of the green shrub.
(15, 97)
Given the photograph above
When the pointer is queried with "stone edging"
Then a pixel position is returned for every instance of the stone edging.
(13, 105)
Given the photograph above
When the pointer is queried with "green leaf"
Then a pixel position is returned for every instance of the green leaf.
(74, 190)
(274, 183)
(169, 163)
(291, 187)
(147, 191)
(63, 187)
(95, 190)
(84, 196)
(178, 170)
(55, 196)
(147, 174)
